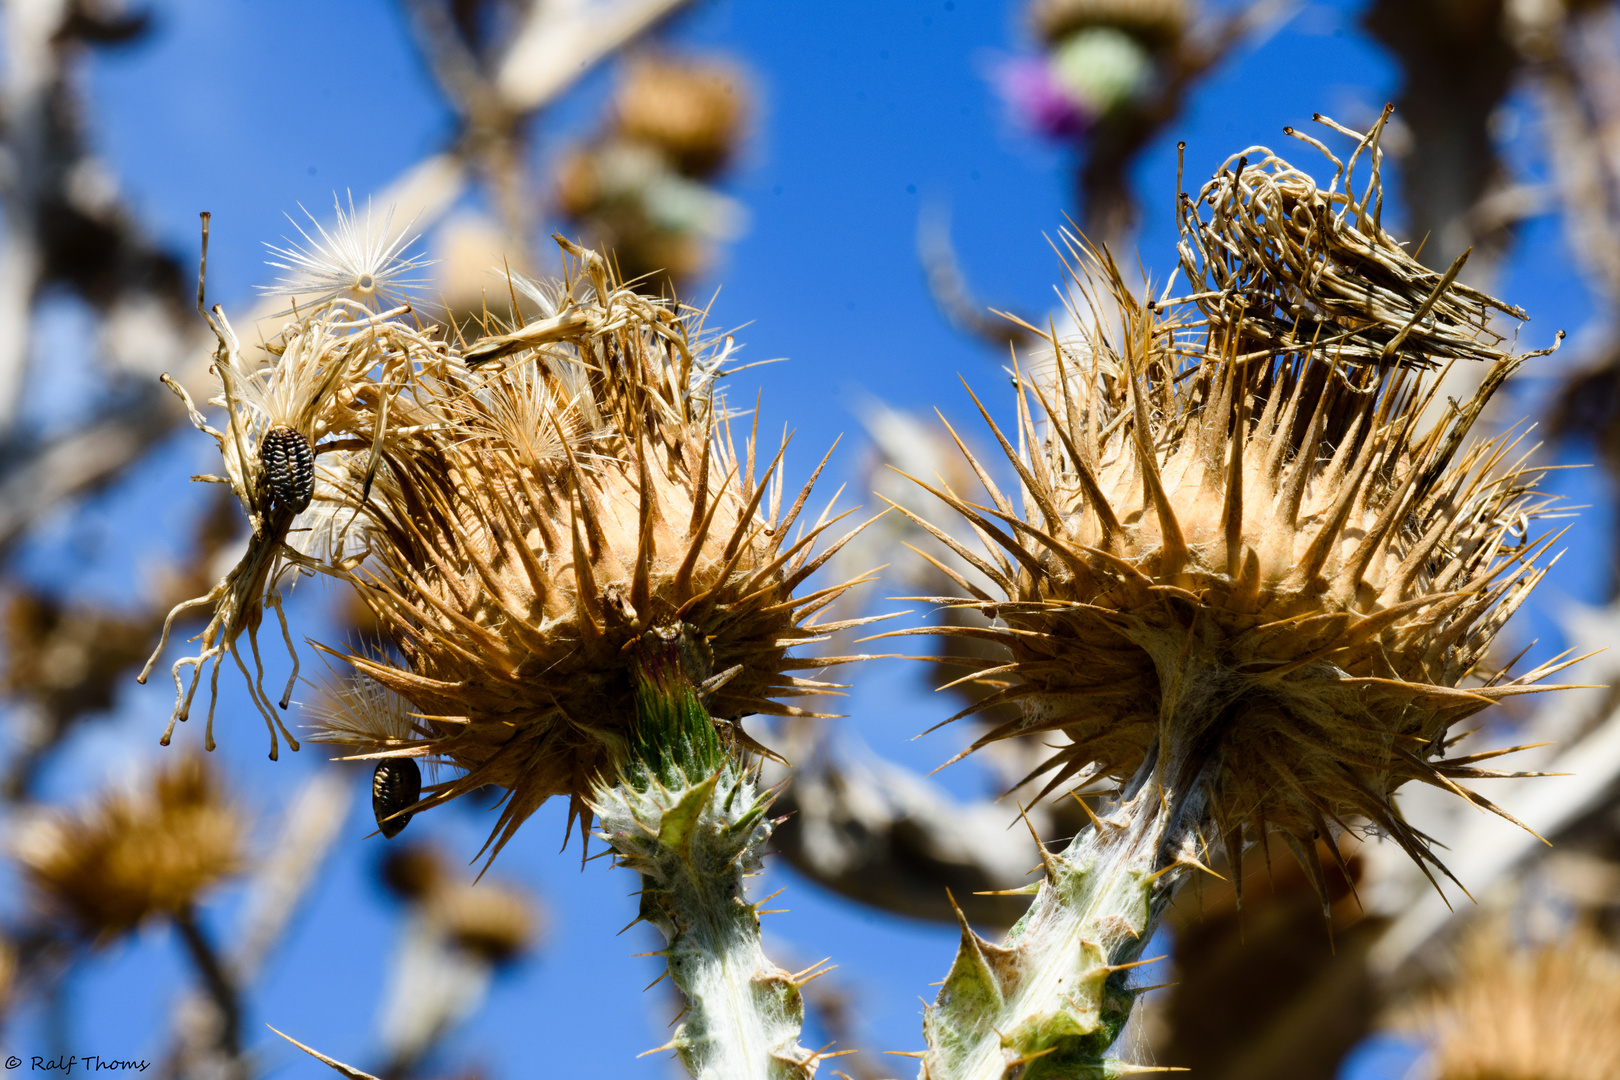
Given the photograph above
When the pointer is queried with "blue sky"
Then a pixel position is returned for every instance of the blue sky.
(868, 111)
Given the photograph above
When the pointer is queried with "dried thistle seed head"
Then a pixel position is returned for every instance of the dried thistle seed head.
(135, 856)
(1153, 21)
(576, 495)
(1257, 563)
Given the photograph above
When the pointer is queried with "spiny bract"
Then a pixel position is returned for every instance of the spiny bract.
(1254, 539)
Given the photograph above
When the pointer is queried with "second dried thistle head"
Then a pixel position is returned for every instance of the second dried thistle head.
(1257, 552)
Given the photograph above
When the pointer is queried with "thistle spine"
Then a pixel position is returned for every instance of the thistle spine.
(687, 815)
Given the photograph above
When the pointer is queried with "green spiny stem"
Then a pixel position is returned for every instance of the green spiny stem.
(1047, 1003)
(688, 816)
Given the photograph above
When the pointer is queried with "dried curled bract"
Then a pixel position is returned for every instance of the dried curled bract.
(578, 490)
(1256, 552)
(298, 412)
(1282, 263)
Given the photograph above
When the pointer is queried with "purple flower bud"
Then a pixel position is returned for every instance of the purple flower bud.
(1035, 99)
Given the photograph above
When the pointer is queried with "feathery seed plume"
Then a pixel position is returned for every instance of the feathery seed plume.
(359, 260)
(360, 711)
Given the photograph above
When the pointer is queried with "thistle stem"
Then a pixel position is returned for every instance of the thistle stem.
(1049, 1001)
(221, 987)
(687, 815)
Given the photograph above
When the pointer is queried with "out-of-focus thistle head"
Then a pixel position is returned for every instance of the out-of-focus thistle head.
(1256, 547)
(497, 921)
(692, 110)
(575, 489)
(1097, 56)
(1511, 1013)
(643, 188)
(135, 855)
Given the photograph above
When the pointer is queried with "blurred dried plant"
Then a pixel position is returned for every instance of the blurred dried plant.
(1572, 56)
(1512, 1013)
(1109, 77)
(134, 856)
(1259, 991)
(63, 661)
(456, 936)
(643, 188)
(695, 112)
